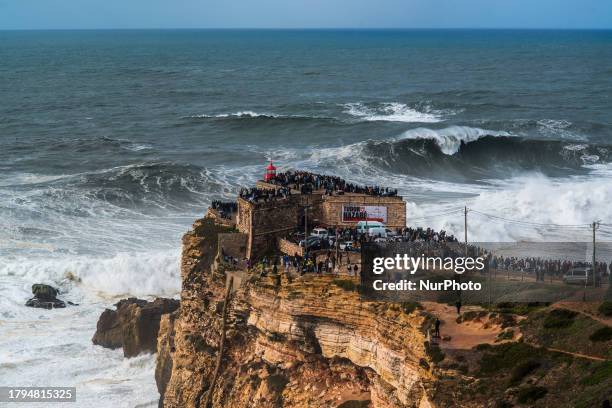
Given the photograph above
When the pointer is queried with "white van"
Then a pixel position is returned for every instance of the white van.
(364, 226)
(377, 232)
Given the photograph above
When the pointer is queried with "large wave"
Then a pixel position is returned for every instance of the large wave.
(534, 198)
(465, 153)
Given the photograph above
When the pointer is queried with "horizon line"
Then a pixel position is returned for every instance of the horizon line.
(315, 29)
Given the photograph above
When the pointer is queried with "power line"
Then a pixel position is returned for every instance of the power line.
(436, 215)
(532, 224)
(512, 221)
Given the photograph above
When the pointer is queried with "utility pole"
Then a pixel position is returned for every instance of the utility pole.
(595, 225)
(337, 246)
(306, 230)
(465, 211)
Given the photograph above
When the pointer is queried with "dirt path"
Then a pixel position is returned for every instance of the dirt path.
(467, 335)
(585, 309)
(570, 353)
(464, 335)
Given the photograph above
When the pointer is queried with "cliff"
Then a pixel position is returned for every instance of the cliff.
(310, 342)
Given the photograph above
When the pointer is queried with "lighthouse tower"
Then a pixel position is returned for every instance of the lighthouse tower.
(270, 172)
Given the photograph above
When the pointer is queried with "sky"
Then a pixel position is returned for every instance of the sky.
(93, 14)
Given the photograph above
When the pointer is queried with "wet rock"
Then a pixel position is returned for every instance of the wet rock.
(45, 297)
(134, 325)
(45, 304)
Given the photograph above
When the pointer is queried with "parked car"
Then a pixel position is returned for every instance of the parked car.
(312, 241)
(577, 275)
(391, 233)
(319, 232)
(347, 246)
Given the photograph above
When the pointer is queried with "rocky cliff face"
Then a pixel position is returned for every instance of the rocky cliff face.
(308, 342)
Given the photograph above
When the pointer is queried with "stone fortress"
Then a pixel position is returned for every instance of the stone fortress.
(263, 225)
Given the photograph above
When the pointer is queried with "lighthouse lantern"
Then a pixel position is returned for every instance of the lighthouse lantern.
(270, 172)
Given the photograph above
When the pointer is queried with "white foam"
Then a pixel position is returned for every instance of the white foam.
(449, 139)
(530, 198)
(239, 114)
(53, 347)
(127, 273)
(391, 112)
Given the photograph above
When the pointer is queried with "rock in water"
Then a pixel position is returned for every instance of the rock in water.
(44, 292)
(45, 304)
(45, 297)
(133, 325)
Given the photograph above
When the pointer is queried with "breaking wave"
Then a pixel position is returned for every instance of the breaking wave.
(392, 112)
(535, 198)
(462, 153)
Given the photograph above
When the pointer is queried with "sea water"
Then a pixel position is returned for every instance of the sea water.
(113, 142)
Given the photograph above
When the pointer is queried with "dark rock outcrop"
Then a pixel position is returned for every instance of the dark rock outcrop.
(45, 297)
(134, 325)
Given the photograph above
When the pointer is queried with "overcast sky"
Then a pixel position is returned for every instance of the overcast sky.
(58, 14)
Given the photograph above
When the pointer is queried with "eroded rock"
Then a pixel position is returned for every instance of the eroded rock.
(134, 325)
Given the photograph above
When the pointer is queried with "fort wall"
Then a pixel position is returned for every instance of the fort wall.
(265, 222)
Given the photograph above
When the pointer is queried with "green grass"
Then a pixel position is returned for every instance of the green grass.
(505, 356)
(602, 334)
(606, 308)
(559, 318)
(522, 370)
(530, 394)
(519, 308)
(600, 373)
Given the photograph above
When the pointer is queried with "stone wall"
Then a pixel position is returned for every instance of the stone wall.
(214, 214)
(243, 217)
(289, 248)
(265, 222)
(233, 244)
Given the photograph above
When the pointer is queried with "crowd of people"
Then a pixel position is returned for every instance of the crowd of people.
(307, 182)
(322, 264)
(255, 194)
(406, 234)
(225, 208)
(542, 268)
(420, 234)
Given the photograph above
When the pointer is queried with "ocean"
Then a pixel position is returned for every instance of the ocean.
(113, 142)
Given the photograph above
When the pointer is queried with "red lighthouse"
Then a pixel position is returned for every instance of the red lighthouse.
(270, 172)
